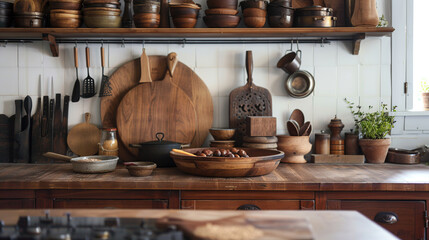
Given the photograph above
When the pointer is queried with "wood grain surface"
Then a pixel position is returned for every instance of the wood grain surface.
(302, 177)
(333, 225)
(128, 76)
(83, 138)
(5, 139)
(155, 107)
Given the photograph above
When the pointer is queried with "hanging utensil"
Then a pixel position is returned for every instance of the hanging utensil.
(105, 88)
(144, 67)
(88, 82)
(76, 87)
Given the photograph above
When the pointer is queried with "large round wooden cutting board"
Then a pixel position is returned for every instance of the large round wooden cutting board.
(155, 107)
(128, 75)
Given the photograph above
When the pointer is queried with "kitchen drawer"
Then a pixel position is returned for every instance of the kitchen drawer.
(17, 203)
(406, 217)
(104, 203)
(247, 204)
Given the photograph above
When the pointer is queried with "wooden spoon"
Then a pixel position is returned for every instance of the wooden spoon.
(293, 128)
(305, 129)
(298, 116)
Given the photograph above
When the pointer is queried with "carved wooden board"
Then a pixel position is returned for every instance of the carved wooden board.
(128, 76)
(249, 100)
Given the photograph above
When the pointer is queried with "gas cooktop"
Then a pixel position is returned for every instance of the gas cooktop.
(86, 228)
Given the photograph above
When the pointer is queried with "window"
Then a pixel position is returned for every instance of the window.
(417, 67)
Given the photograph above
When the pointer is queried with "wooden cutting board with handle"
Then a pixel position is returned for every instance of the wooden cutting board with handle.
(128, 76)
(249, 100)
(83, 138)
(240, 223)
(159, 106)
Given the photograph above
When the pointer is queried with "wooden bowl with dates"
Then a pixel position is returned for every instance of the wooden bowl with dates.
(246, 162)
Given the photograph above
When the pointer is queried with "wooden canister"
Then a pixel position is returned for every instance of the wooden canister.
(351, 143)
(337, 143)
(322, 143)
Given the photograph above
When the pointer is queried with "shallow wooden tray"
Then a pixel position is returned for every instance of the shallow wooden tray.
(260, 162)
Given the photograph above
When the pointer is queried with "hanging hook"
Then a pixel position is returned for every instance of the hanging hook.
(75, 43)
(86, 43)
(183, 43)
(297, 45)
(4, 44)
(291, 45)
(123, 43)
(143, 44)
(102, 44)
(323, 42)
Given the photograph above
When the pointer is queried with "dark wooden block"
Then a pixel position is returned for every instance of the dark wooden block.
(261, 126)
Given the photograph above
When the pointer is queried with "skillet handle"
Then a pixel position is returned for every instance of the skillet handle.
(249, 67)
(57, 156)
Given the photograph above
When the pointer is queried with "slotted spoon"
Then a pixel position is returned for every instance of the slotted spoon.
(88, 82)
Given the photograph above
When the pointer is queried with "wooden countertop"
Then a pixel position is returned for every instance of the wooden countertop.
(298, 177)
(330, 225)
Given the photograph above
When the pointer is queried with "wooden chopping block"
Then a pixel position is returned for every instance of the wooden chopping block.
(333, 158)
(261, 126)
(83, 138)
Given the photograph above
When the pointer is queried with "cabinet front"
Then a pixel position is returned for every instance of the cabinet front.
(405, 219)
(247, 204)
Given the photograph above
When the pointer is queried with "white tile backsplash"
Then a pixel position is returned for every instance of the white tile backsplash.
(363, 78)
(11, 51)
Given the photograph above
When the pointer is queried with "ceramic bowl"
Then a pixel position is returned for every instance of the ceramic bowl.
(102, 21)
(222, 133)
(294, 148)
(140, 169)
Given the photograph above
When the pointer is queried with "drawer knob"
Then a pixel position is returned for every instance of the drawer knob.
(386, 217)
(248, 207)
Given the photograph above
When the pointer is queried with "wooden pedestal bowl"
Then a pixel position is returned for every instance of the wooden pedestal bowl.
(294, 148)
(260, 162)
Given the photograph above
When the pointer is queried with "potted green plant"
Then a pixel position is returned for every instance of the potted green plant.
(373, 126)
(424, 89)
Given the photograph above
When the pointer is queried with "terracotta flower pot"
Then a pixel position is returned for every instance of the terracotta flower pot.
(294, 147)
(375, 150)
(425, 98)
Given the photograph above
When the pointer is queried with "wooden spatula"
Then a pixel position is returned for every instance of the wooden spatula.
(144, 68)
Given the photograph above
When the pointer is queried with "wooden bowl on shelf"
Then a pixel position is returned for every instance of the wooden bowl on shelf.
(254, 22)
(184, 12)
(222, 133)
(231, 4)
(69, 5)
(65, 11)
(184, 22)
(147, 22)
(101, 13)
(59, 22)
(261, 4)
(259, 162)
(222, 21)
(254, 12)
(221, 11)
(146, 8)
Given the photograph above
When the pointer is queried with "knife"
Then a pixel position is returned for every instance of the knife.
(57, 125)
(51, 117)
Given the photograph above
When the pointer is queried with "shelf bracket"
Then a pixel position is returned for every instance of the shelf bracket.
(52, 44)
(356, 43)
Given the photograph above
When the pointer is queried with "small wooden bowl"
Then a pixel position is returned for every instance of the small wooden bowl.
(294, 148)
(254, 22)
(146, 8)
(65, 22)
(65, 5)
(142, 16)
(231, 4)
(222, 21)
(64, 11)
(253, 4)
(146, 23)
(102, 21)
(140, 169)
(222, 133)
(55, 16)
(184, 12)
(221, 11)
(254, 12)
(184, 22)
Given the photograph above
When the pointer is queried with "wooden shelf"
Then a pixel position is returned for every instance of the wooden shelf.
(356, 34)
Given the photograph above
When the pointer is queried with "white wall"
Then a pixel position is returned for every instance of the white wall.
(364, 79)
